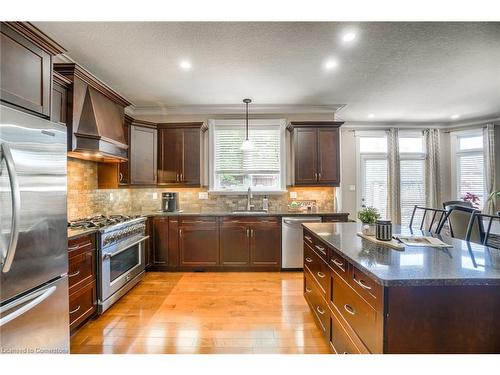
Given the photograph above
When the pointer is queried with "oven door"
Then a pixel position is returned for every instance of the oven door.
(119, 264)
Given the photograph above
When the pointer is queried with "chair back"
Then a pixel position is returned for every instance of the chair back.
(489, 234)
(431, 220)
(448, 204)
(458, 219)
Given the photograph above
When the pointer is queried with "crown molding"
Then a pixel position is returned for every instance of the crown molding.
(222, 109)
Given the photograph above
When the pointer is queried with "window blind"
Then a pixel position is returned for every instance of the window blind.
(263, 158)
(471, 174)
(412, 177)
(375, 184)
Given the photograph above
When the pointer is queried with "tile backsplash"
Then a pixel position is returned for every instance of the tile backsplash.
(84, 199)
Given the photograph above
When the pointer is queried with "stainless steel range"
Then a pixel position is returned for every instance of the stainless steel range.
(121, 254)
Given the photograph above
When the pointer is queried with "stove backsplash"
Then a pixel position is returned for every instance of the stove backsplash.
(84, 199)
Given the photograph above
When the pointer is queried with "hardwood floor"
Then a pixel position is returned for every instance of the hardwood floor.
(195, 313)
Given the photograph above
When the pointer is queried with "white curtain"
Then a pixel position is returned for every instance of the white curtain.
(432, 169)
(393, 176)
(489, 167)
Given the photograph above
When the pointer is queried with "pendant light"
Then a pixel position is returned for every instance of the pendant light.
(247, 144)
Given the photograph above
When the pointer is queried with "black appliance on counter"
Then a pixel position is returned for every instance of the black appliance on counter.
(170, 202)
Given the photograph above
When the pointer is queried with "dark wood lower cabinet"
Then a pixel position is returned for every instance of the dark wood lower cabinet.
(234, 243)
(82, 280)
(265, 243)
(199, 243)
(160, 251)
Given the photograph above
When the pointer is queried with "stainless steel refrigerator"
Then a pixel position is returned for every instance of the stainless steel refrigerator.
(33, 235)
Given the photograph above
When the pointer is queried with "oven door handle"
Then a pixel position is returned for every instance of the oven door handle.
(110, 255)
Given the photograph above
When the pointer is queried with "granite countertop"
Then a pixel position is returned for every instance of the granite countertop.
(463, 264)
(73, 233)
(229, 213)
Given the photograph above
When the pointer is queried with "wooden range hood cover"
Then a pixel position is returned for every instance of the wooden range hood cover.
(96, 117)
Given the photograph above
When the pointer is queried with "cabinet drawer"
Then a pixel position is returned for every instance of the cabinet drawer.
(82, 304)
(81, 269)
(366, 287)
(80, 244)
(338, 264)
(198, 220)
(317, 268)
(318, 247)
(357, 312)
(340, 341)
(316, 303)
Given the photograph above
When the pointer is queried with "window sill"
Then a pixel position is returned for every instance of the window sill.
(244, 192)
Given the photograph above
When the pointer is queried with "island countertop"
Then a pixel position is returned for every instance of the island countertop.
(465, 263)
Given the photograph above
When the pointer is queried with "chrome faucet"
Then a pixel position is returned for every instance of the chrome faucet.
(249, 200)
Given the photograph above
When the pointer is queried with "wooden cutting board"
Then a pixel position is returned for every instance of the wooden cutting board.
(395, 244)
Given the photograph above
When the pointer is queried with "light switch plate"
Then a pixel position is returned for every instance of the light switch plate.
(155, 195)
(352, 187)
(293, 195)
(203, 195)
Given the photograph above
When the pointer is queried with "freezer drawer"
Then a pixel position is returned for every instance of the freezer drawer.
(37, 322)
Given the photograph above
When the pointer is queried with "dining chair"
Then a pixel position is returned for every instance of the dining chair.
(448, 204)
(458, 219)
(487, 237)
(434, 226)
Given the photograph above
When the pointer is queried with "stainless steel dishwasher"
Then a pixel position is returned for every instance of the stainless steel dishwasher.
(291, 241)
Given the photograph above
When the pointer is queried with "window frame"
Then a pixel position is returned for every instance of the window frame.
(456, 152)
(212, 123)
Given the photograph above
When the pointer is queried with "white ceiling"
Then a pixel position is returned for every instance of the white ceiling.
(400, 72)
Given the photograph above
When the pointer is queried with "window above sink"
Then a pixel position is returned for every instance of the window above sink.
(233, 171)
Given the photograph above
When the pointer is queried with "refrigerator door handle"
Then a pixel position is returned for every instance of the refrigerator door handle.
(36, 299)
(16, 207)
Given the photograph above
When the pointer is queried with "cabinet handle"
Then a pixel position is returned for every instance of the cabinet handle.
(321, 274)
(121, 177)
(339, 264)
(349, 309)
(75, 310)
(309, 260)
(308, 238)
(319, 176)
(322, 249)
(74, 274)
(248, 232)
(308, 290)
(362, 284)
(252, 234)
(320, 310)
(181, 177)
(180, 232)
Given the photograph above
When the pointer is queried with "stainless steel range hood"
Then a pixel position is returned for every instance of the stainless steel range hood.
(95, 118)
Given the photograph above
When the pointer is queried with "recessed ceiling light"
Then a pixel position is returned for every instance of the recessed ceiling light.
(371, 115)
(331, 64)
(185, 64)
(454, 117)
(348, 37)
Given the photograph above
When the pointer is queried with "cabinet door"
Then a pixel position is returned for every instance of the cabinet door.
(59, 103)
(190, 173)
(160, 238)
(25, 73)
(148, 249)
(124, 170)
(199, 244)
(143, 144)
(235, 244)
(306, 153)
(265, 244)
(328, 156)
(170, 156)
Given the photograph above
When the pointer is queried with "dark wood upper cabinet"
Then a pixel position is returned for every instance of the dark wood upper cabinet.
(179, 151)
(124, 167)
(143, 154)
(26, 67)
(59, 110)
(316, 153)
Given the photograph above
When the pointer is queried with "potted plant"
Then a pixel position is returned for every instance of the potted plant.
(368, 216)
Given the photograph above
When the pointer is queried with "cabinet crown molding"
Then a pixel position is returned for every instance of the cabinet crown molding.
(34, 34)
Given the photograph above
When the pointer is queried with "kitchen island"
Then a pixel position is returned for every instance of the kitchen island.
(369, 298)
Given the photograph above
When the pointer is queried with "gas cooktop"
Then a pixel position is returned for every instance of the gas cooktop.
(100, 221)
